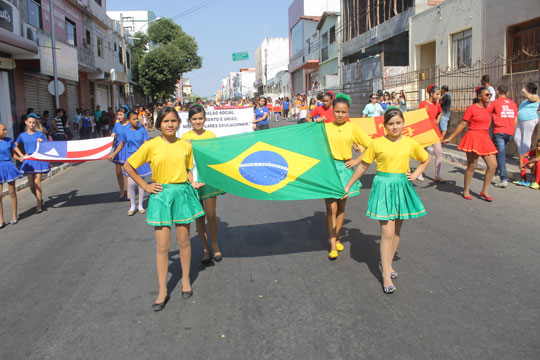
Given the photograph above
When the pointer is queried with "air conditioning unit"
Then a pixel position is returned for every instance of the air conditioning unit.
(30, 32)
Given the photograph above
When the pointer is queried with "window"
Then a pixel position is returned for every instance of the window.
(98, 2)
(71, 32)
(332, 34)
(324, 47)
(120, 55)
(115, 46)
(34, 12)
(88, 37)
(523, 45)
(99, 47)
(128, 60)
(461, 49)
(308, 46)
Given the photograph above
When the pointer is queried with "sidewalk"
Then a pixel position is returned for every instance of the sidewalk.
(452, 154)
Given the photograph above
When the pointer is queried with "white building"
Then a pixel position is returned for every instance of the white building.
(271, 57)
(134, 21)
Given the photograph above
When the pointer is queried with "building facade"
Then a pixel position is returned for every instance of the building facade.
(271, 57)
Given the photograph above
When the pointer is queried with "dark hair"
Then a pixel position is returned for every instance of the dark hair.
(340, 100)
(131, 113)
(196, 109)
(371, 96)
(485, 78)
(59, 110)
(164, 111)
(432, 89)
(502, 89)
(122, 110)
(328, 94)
(46, 112)
(445, 88)
(531, 88)
(320, 96)
(390, 113)
(478, 91)
(265, 100)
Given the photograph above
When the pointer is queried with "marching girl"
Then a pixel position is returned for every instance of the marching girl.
(132, 140)
(261, 115)
(207, 194)
(173, 199)
(325, 110)
(392, 198)
(120, 127)
(341, 136)
(476, 142)
(8, 173)
(434, 110)
(33, 168)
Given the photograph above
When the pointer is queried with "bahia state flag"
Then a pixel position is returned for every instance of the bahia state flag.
(73, 151)
(288, 163)
(417, 126)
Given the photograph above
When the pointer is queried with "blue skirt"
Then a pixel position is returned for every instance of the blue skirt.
(8, 172)
(122, 156)
(143, 170)
(35, 167)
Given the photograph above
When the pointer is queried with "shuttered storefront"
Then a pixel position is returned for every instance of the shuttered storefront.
(37, 94)
(73, 99)
(102, 96)
(298, 81)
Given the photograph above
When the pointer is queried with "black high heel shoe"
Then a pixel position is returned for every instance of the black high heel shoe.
(187, 294)
(161, 305)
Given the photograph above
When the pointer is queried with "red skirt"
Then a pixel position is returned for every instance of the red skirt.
(478, 142)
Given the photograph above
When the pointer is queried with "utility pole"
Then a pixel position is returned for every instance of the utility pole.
(126, 87)
(53, 45)
(266, 68)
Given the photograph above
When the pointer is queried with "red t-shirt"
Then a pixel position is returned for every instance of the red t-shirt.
(533, 153)
(321, 111)
(479, 118)
(432, 109)
(504, 115)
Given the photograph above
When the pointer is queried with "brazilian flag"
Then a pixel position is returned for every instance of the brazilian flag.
(287, 163)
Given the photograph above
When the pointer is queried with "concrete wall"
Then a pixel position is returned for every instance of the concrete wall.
(439, 23)
(523, 10)
(62, 10)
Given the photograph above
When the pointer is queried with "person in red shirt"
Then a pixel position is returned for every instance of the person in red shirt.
(325, 111)
(434, 110)
(531, 161)
(476, 142)
(504, 125)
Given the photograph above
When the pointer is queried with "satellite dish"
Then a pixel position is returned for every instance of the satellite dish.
(60, 85)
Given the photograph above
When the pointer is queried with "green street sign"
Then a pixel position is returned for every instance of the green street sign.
(240, 56)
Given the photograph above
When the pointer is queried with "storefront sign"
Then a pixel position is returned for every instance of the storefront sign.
(66, 59)
(6, 16)
(7, 64)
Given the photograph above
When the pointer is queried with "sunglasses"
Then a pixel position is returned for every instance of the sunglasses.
(488, 94)
(374, 98)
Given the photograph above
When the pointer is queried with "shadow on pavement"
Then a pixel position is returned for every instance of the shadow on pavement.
(72, 199)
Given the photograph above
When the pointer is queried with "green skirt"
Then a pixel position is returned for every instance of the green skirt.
(345, 175)
(208, 191)
(393, 197)
(175, 204)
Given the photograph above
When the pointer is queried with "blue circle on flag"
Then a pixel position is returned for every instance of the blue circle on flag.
(264, 168)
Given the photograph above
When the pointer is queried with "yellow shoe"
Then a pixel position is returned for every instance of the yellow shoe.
(333, 255)
(340, 247)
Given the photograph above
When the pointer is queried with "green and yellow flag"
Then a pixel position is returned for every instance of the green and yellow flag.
(287, 163)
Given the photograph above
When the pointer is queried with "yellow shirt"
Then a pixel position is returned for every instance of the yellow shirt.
(191, 135)
(393, 157)
(342, 137)
(169, 162)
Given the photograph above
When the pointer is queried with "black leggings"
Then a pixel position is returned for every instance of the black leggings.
(285, 113)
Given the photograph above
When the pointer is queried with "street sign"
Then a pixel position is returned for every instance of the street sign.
(60, 86)
(240, 56)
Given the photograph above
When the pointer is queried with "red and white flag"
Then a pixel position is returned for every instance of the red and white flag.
(73, 151)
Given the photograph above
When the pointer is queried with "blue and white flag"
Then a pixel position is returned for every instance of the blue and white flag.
(73, 151)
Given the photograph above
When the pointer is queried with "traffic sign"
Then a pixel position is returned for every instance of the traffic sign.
(240, 56)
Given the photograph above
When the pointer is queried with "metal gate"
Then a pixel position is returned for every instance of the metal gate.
(72, 99)
(102, 96)
(37, 94)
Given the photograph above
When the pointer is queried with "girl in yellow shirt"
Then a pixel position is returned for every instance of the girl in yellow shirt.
(392, 198)
(341, 137)
(173, 199)
(207, 194)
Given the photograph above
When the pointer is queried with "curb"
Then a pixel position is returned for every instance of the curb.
(462, 160)
(24, 183)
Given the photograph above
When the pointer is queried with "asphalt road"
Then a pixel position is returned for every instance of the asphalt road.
(78, 280)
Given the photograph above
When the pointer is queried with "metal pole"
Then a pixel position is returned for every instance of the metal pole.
(53, 45)
(126, 87)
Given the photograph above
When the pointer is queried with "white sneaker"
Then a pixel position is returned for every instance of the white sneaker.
(501, 184)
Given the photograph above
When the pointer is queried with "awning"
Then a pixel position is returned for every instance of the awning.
(17, 46)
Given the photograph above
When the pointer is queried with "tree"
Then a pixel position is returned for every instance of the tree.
(140, 45)
(173, 53)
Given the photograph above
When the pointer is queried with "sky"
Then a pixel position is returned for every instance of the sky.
(222, 28)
